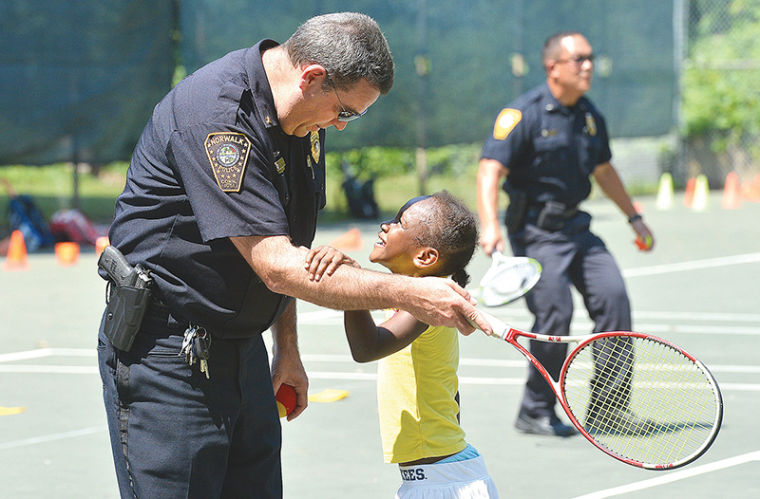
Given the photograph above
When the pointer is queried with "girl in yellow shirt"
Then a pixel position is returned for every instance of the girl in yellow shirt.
(418, 387)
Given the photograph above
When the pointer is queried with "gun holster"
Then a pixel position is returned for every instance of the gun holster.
(514, 217)
(554, 215)
(125, 309)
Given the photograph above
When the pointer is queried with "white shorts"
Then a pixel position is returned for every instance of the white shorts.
(458, 480)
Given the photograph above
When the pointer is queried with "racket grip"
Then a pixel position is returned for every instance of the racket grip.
(499, 327)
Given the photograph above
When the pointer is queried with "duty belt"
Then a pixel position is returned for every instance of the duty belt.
(535, 208)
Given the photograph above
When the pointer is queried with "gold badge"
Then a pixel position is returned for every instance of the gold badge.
(315, 149)
(507, 120)
(280, 165)
(228, 154)
(590, 124)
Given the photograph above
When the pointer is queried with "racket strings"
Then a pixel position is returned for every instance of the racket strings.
(641, 399)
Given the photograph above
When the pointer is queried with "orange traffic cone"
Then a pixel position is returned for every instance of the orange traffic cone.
(732, 194)
(350, 241)
(100, 244)
(67, 253)
(688, 197)
(751, 189)
(16, 259)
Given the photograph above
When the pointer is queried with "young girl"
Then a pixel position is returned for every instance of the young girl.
(417, 388)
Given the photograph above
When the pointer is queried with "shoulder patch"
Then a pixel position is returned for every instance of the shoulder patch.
(228, 154)
(508, 118)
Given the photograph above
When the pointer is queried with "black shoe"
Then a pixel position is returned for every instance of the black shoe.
(544, 425)
(619, 422)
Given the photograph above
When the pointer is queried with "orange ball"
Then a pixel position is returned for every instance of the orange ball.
(286, 400)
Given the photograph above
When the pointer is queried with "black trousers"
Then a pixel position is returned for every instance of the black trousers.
(571, 256)
(175, 433)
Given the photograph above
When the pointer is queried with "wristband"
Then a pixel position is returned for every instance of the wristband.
(634, 217)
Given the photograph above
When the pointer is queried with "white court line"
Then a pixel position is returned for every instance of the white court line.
(692, 265)
(338, 358)
(480, 362)
(682, 329)
(52, 437)
(674, 476)
(580, 317)
(695, 316)
(41, 369)
(48, 352)
(333, 375)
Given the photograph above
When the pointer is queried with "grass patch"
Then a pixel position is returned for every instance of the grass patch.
(52, 188)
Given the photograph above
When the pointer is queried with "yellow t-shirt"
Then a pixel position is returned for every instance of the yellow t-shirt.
(416, 390)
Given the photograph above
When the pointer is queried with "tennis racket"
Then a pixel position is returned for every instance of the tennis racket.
(636, 397)
(507, 279)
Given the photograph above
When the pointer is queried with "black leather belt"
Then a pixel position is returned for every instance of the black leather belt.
(566, 213)
(158, 314)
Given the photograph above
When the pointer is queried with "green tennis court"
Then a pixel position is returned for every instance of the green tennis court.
(698, 289)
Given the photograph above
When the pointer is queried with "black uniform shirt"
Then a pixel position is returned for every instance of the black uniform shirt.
(550, 150)
(213, 163)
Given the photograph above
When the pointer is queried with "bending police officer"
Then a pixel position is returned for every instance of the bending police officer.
(219, 208)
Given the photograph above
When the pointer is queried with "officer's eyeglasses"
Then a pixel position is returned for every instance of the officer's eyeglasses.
(578, 60)
(344, 115)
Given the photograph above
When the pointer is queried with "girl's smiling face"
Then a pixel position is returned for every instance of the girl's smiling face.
(397, 244)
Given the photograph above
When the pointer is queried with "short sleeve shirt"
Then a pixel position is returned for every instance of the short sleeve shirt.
(213, 163)
(550, 149)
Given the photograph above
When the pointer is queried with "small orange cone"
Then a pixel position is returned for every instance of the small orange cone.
(688, 197)
(751, 189)
(350, 241)
(67, 253)
(16, 259)
(732, 195)
(100, 244)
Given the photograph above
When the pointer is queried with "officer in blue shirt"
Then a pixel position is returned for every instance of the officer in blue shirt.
(220, 207)
(547, 144)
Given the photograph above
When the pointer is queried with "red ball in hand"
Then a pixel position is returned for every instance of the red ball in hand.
(286, 400)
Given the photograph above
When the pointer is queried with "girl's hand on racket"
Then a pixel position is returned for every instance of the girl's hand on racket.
(644, 238)
(325, 260)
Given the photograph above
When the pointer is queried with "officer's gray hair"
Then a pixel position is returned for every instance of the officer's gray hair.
(349, 45)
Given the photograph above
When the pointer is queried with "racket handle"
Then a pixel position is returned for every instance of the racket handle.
(500, 328)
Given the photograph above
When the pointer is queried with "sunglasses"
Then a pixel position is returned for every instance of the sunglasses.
(578, 59)
(344, 115)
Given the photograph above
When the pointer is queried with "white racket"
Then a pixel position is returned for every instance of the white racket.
(507, 279)
(636, 397)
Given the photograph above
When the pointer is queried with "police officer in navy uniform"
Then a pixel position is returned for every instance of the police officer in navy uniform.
(220, 206)
(548, 143)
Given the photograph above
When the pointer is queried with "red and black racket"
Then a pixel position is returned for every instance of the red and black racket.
(636, 397)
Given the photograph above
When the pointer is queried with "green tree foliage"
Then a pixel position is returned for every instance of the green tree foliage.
(721, 95)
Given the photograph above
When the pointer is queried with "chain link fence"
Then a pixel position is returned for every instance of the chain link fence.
(721, 97)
